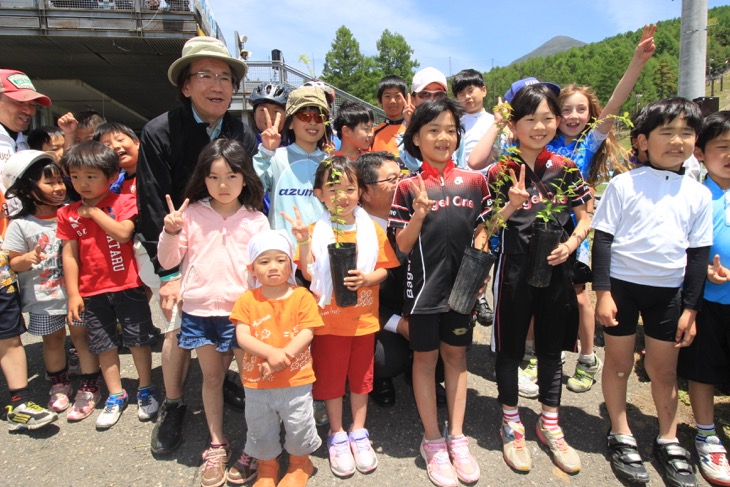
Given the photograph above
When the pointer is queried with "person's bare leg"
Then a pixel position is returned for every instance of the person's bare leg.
(586, 320)
(88, 362)
(14, 363)
(142, 357)
(334, 412)
(702, 398)
(54, 354)
(175, 364)
(661, 367)
(359, 409)
(455, 373)
(617, 368)
(109, 362)
(424, 390)
(211, 364)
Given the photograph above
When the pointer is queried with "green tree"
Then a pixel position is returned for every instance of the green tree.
(665, 79)
(343, 63)
(394, 56)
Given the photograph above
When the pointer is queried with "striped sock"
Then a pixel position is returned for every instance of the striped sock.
(705, 430)
(550, 422)
(511, 416)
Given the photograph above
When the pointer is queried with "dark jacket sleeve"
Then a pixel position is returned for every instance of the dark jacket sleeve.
(601, 260)
(695, 276)
(154, 181)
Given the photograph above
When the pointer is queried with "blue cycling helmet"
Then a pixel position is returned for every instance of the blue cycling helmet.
(270, 92)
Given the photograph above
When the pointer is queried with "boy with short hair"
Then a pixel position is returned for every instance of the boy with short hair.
(469, 89)
(706, 362)
(274, 321)
(122, 140)
(79, 128)
(101, 275)
(653, 231)
(47, 139)
(392, 98)
(354, 126)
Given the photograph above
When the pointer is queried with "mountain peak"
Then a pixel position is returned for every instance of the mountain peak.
(553, 46)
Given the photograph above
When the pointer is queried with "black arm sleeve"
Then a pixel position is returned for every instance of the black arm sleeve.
(601, 260)
(695, 275)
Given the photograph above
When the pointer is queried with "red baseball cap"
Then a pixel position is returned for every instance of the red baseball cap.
(17, 85)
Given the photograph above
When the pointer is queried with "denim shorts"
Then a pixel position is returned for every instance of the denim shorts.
(198, 331)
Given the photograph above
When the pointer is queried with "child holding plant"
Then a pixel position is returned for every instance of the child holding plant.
(436, 216)
(552, 189)
(343, 349)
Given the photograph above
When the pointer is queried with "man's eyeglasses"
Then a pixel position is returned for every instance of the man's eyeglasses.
(308, 117)
(209, 78)
(431, 95)
(390, 180)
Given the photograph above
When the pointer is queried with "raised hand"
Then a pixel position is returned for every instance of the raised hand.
(717, 273)
(36, 256)
(173, 220)
(421, 204)
(646, 47)
(68, 123)
(298, 228)
(517, 193)
(408, 110)
(270, 137)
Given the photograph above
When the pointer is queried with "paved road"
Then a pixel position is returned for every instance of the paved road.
(65, 454)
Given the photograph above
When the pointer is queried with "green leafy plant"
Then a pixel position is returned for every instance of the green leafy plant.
(333, 179)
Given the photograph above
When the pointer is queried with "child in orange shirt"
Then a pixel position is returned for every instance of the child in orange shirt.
(348, 336)
(274, 321)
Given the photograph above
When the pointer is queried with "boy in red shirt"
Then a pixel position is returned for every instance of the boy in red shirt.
(101, 275)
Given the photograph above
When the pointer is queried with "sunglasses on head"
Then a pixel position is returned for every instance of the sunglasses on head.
(308, 117)
(428, 95)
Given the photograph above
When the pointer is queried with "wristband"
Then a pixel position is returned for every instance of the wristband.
(305, 242)
(170, 277)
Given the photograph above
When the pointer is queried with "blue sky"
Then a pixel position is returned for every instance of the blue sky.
(447, 35)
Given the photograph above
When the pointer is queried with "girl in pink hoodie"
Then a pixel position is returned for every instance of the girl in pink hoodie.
(209, 240)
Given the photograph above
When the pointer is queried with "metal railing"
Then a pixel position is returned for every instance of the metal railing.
(129, 5)
(260, 71)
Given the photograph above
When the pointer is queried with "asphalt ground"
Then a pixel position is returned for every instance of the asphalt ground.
(66, 454)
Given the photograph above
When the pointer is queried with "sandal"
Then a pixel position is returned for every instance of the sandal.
(675, 460)
(625, 459)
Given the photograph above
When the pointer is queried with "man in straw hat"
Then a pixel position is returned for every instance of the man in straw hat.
(206, 76)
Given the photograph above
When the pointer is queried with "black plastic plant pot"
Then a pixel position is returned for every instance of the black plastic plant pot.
(474, 269)
(342, 260)
(545, 237)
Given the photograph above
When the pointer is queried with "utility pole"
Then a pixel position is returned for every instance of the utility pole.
(693, 49)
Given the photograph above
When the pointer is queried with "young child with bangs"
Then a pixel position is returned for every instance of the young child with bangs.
(354, 125)
(348, 334)
(122, 140)
(653, 232)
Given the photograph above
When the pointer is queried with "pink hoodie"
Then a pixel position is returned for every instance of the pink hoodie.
(214, 255)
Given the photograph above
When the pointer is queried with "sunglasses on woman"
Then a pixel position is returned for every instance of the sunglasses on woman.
(308, 117)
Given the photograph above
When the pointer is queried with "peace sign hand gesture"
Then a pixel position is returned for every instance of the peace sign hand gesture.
(408, 109)
(298, 228)
(517, 192)
(646, 46)
(174, 220)
(421, 204)
(271, 138)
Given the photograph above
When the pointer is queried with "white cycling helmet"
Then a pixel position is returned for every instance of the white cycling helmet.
(19, 162)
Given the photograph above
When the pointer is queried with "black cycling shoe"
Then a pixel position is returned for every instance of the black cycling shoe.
(625, 459)
(167, 433)
(383, 393)
(675, 461)
(233, 392)
(484, 314)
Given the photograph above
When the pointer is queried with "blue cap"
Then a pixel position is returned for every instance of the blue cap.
(518, 85)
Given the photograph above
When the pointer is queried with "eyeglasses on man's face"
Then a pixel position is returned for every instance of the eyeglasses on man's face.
(208, 78)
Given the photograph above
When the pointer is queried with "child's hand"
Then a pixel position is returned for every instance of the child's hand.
(265, 370)
(686, 330)
(559, 254)
(278, 360)
(173, 220)
(421, 204)
(75, 308)
(356, 280)
(68, 123)
(646, 46)
(86, 211)
(270, 137)
(408, 109)
(605, 309)
(35, 256)
(298, 228)
(716, 273)
(517, 193)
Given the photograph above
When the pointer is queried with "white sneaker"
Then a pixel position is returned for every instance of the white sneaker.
(112, 411)
(147, 404)
(525, 386)
(713, 461)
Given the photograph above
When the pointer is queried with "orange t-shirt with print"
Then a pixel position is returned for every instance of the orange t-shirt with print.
(363, 318)
(276, 322)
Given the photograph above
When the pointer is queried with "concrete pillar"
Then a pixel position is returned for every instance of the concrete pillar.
(693, 49)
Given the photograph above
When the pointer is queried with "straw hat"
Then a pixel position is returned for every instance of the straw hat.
(202, 47)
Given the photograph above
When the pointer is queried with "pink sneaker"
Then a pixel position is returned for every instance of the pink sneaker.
(59, 397)
(438, 466)
(466, 466)
(84, 404)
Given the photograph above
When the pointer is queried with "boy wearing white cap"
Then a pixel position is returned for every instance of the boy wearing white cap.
(274, 321)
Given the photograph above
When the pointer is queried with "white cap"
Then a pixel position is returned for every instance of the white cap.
(425, 77)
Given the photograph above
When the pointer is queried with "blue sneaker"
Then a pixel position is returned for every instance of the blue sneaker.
(112, 411)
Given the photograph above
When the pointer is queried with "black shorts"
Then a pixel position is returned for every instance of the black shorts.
(582, 273)
(11, 319)
(707, 360)
(555, 309)
(426, 332)
(659, 307)
(128, 307)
